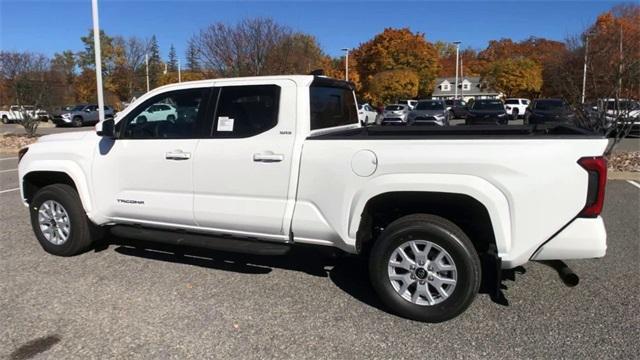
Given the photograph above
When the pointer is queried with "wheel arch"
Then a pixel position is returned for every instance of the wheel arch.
(36, 176)
(455, 197)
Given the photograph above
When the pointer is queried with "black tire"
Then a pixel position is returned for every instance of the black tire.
(443, 233)
(171, 118)
(5, 119)
(82, 232)
(77, 121)
(452, 115)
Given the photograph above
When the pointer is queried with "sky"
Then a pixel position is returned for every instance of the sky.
(56, 25)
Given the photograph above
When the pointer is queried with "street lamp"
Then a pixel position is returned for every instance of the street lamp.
(96, 45)
(584, 70)
(457, 43)
(346, 63)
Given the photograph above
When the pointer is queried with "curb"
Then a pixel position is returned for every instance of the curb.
(623, 175)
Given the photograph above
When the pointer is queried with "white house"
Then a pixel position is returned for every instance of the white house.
(470, 87)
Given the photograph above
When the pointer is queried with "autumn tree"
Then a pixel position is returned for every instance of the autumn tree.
(468, 61)
(398, 49)
(392, 85)
(514, 77)
(614, 53)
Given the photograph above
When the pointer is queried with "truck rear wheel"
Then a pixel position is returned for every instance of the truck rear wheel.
(59, 221)
(425, 268)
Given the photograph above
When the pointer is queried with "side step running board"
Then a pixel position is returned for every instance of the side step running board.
(237, 245)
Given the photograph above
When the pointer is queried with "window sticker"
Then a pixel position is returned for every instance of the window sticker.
(225, 123)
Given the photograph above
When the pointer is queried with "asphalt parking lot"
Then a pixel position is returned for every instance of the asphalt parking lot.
(149, 302)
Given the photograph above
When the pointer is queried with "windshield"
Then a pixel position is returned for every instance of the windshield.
(512, 102)
(430, 105)
(549, 104)
(394, 108)
(488, 105)
(78, 108)
(28, 107)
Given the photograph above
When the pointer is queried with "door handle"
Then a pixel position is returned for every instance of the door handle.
(268, 157)
(177, 155)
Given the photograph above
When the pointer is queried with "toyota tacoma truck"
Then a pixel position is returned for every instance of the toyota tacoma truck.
(259, 165)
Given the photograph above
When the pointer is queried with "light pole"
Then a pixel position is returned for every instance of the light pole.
(146, 63)
(455, 96)
(346, 63)
(584, 70)
(98, 58)
(179, 72)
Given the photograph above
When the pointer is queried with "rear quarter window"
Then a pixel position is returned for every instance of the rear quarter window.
(331, 107)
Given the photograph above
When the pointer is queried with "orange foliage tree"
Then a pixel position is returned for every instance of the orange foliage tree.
(393, 85)
(397, 49)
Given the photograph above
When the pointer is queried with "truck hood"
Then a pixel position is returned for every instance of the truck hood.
(69, 136)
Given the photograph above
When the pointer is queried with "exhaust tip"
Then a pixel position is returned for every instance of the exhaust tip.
(567, 275)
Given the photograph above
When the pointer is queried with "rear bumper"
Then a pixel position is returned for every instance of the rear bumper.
(583, 238)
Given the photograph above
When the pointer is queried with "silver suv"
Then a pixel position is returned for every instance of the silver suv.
(80, 115)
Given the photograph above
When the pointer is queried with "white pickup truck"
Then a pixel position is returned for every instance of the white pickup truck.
(259, 165)
(15, 113)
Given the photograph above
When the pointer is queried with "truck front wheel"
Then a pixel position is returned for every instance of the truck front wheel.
(59, 221)
(5, 119)
(425, 268)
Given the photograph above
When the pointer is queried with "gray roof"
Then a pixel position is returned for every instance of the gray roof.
(476, 88)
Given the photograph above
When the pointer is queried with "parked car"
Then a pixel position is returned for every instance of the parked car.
(158, 112)
(545, 111)
(367, 114)
(429, 112)
(395, 114)
(15, 113)
(285, 162)
(457, 108)
(516, 107)
(410, 103)
(487, 112)
(611, 109)
(80, 115)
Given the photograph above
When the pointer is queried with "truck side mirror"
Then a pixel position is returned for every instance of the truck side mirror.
(106, 128)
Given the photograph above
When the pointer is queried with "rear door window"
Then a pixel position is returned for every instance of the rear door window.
(245, 111)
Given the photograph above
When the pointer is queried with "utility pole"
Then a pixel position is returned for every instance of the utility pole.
(457, 59)
(584, 70)
(179, 72)
(98, 58)
(346, 64)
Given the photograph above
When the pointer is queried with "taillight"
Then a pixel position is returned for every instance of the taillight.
(597, 169)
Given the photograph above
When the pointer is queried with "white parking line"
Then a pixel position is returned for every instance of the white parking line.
(634, 183)
(4, 171)
(9, 190)
(13, 158)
